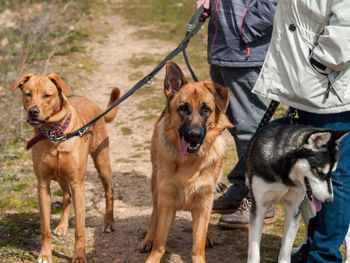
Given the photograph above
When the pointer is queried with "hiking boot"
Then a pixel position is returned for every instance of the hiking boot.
(225, 204)
(240, 218)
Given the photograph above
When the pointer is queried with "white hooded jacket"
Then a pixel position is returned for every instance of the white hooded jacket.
(308, 62)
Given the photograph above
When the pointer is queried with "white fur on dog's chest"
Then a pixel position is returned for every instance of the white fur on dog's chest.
(277, 190)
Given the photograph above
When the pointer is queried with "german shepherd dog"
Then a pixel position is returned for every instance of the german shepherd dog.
(290, 164)
(187, 154)
(49, 111)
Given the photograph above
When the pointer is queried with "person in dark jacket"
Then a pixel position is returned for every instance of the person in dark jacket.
(239, 33)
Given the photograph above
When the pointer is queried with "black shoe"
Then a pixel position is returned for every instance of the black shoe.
(240, 218)
(225, 204)
(300, 256)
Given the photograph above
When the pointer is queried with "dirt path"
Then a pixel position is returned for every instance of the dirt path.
(130, 136)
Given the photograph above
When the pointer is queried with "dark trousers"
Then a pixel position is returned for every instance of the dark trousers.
(245, 111)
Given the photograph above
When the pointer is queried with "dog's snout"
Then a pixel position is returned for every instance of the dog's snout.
(195, 134)
(329, 200)
(33, 112)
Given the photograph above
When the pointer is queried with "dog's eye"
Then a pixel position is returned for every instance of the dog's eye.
(28, 95)
(206, 108)
(47, 96)
(184, 108)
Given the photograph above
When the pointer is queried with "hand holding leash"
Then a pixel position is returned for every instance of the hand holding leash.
(206, 6)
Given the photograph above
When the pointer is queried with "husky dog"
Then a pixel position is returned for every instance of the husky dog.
(290, 164)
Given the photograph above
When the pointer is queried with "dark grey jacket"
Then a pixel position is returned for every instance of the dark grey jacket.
(239, 32)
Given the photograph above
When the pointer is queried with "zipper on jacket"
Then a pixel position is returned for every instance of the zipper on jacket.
(240, 32)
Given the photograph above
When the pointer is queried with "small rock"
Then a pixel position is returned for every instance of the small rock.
(4, 42)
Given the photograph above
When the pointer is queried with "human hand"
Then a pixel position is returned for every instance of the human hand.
(206, 6)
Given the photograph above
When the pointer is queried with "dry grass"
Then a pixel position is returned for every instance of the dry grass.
(34, 38)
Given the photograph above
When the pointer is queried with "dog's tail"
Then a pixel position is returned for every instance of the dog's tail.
(115, 95)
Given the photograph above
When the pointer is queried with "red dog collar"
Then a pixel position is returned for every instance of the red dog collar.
(52, 135)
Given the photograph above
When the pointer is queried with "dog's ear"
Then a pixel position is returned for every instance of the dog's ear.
(21, 81)
(59, 83)
(221, 95)
(337, 135)
(174, 79)
(318, 139)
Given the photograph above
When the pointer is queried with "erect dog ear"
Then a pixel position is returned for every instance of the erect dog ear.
(21, 81)
(338, 135)
(59, 83)
(174, 79)
(318, 139)
(221, 95)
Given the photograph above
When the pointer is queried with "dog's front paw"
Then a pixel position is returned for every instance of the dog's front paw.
(79, 256)
(146, 246)
(210, 241)
(60, 230)
(108, 225)
(44, 258)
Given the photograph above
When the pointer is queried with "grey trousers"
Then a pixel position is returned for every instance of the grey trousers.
(245, 111)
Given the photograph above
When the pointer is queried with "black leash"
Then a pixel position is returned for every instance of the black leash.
(191, 30)
(291, 113)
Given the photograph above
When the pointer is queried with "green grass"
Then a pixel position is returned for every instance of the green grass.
(167, 20)
(126, 131)
(147, 117)
(58, 192)
(123, 160)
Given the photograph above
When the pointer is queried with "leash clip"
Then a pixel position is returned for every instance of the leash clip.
(84, 132)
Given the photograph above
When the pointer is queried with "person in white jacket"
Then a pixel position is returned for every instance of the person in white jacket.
(308, 67)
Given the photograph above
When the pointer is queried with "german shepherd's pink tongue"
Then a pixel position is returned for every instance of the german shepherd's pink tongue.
(183, 147)
(317, 204)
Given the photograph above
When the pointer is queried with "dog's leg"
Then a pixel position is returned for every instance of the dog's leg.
(147, 243)
(200, 221)
(61, 229)
(307, 212)
(77, 188)
(256, 223)
(44, 194)
(291, 223)
(210, 242)
(347, 244)
(166, 214)
(103, 167)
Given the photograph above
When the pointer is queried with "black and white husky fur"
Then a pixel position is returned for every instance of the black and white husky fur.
(290, 164)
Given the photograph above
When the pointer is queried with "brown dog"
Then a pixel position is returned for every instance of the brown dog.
(49, 110)
(187, 154)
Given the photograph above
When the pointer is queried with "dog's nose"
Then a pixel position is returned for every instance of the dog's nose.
(33, 112)
(195, 134)
(329, 200)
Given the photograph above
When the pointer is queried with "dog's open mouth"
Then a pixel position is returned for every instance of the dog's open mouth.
(316, 203)
(35, 122)
(189, 147)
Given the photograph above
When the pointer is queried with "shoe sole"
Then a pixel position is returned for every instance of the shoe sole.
(244, 226)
